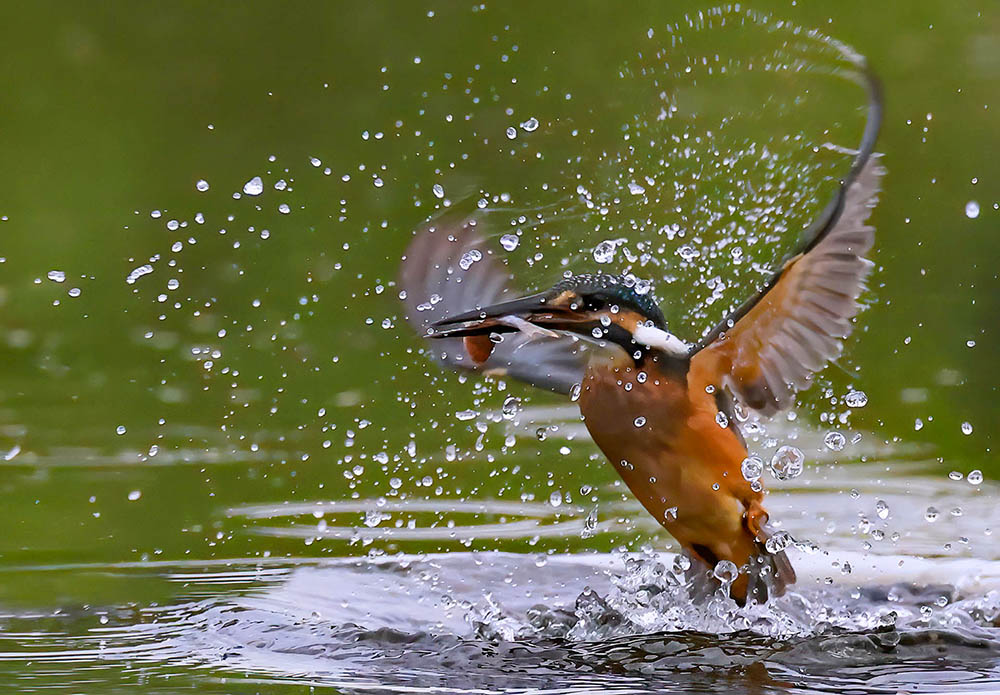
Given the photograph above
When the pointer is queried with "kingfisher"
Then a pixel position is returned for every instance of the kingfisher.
(662, 410)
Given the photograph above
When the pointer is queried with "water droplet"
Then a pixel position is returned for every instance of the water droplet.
(438, 190)
(120, 430)
(882, 509)
(530, 125)
(787, 463)
(975, 477)
(12, 452)
(835, 441)
(688, 252)
(721, 419)
(254, 186)
(635, 189)
(509, 242)
(373, 517)
(931, 515)
(966, 428)
(574, 392)
(134, 495)
(752, 467)
(972, 209)
(466, 414)
(556, 499)
(777, 542)
(955, 475)
(604, 252)
(510, 407)
(395, 483)
(725, 571)
(284, 209)
(681, 564)
(856, 399)
(56, 276)
(589, 524)
(315, 161)
(639, 421)
(511, 133)
(202, 185)
(470, 257)
(670, 513)
(73, 292)
(542, 433)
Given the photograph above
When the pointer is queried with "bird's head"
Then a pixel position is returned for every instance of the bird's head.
(599, 307)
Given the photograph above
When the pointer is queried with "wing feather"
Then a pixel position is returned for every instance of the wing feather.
(797, 325)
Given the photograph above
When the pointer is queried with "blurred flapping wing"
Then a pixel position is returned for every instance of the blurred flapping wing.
(449, 268)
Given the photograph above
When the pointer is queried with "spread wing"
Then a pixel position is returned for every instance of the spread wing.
(770, 347)
(450, 268)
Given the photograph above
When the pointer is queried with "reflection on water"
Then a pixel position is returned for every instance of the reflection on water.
(398, 520)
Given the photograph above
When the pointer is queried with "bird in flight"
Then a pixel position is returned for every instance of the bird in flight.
(651, 401)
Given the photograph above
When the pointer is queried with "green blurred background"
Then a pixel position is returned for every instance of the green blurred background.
(110, 113)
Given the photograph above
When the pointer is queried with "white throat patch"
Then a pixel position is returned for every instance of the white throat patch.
(654, 337)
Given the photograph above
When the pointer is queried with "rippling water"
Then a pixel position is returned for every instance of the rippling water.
(494, 622)
(888, 600)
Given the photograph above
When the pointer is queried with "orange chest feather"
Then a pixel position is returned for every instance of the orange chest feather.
(650, 425)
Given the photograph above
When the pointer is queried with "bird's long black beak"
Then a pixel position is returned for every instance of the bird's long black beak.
(523, 307)
(505, 317)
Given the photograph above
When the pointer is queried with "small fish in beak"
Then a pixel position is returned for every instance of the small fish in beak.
(479, 347)
(479, 339)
